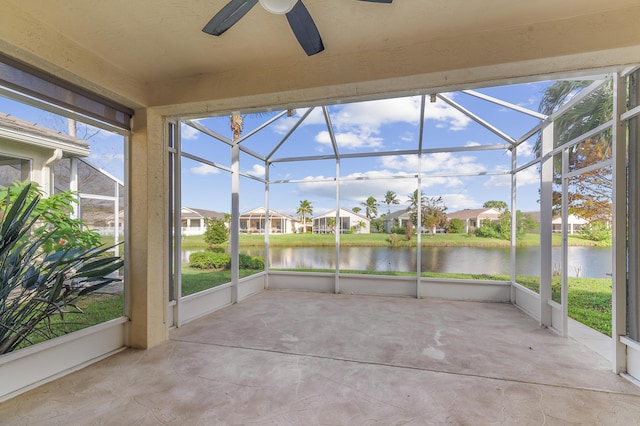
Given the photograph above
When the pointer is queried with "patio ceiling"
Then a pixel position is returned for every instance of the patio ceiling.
(149, 53)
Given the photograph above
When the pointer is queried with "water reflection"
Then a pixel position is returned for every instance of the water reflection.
(591, 262)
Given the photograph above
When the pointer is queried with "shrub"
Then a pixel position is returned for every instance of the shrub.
(596, 232)
(488, 231)
(209, 260)
(216, 233)
(394, 240)
(251, 262)
(397, 230)
(456, 226)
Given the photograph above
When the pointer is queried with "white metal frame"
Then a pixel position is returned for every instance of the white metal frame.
(541, 306)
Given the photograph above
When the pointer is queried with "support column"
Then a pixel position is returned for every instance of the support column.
(619, 201)
(546, 216)
(234, 230)
(148, 274)
(634, 210)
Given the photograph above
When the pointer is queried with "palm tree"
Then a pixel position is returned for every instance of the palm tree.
(356, 209)
(305, 209)
(495, 204)
(590, 192)
(390, 198)
(371, 207)
(413, 200)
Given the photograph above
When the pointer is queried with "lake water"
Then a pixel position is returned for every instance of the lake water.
(591, 262)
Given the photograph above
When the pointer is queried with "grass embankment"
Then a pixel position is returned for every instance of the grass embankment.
(196, 242)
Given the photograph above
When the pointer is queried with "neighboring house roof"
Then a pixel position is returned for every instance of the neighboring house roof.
(15, 129)
(474, 214)
(397, 214)
(192, 213)
(261, 211)
(535, 215)
(343, 212)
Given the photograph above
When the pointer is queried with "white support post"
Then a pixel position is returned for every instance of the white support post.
(546, 217)
(235, 220)
(633, 195)
(337, 228)
(266, 235)
(419, 229)
(73, 187)
(177, 223)
(619, 261)
(514, 217)
(564, 286)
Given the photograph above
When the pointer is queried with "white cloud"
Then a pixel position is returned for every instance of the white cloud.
(437, 163)
(529, 176)
(455, 202)
(525, 149)
(524, 177)
(472, 143)
(365, 119)
(350, 140)
(257, 170)
(353, 192)
(204, 169)
(188, 132)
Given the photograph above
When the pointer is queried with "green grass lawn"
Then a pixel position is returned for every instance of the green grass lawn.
(195, 280)
(196, 242)
(97, 308)
(589, 299)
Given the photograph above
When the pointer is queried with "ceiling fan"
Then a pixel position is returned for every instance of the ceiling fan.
(297, 14)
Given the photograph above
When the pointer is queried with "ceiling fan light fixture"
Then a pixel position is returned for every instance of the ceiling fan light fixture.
(278, 7)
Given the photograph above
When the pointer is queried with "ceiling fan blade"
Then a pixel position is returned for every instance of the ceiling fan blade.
(378, 1)
(305, 29)
(228, 16)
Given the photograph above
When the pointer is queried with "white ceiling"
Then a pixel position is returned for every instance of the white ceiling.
(143, 49)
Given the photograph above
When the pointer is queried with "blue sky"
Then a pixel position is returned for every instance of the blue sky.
(372, 126)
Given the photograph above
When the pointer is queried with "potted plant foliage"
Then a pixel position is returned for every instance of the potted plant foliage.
(42, 274)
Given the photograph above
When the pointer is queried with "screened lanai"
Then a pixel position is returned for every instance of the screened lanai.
(152, 76)
(551, 164)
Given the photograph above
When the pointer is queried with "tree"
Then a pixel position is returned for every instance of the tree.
(356, 209)
(434, 214)
(390, 197)
(304, 209)
(502, 227)
(413, 200)
(62, 231)
(371, 207)
(216, 233)
(590, 192)
(331, 224)
(432, 209)
(495, 204)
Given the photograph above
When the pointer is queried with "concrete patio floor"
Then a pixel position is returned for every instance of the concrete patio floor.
(297, 358)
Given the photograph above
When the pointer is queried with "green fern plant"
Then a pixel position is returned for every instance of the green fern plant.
(36, 284)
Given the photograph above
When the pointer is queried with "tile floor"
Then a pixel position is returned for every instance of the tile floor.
(298, 358)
